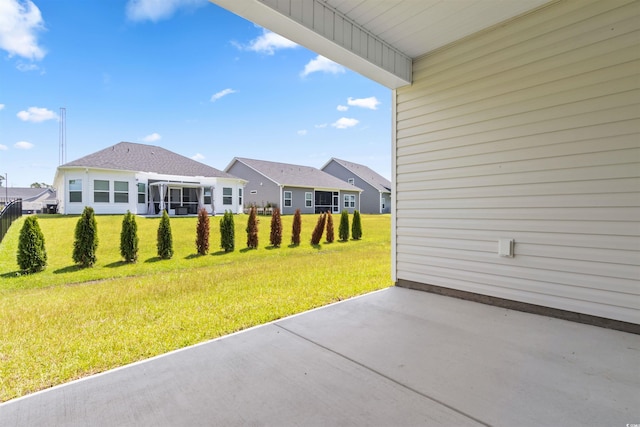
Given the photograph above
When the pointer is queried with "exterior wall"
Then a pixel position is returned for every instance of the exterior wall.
(387, 203)
(370, 196)
(350, 210)
(298, 201)
(529, 131)
(266, 191)
(236, 206)
(88, 177)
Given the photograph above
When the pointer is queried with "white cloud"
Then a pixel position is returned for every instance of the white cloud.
(23, 145)
(3, 147)
(342, 108)
(370, 103)
(1, 106)
(344, 123)
(322, 64)
(27, 67)
(320, 126)
(36, 115)
(156, 10)
(20, 22)
(222, 93)
(152, 137)
(302, 132)
(269, 42)
(198, 157)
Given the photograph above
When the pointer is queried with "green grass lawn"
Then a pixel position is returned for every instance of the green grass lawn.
(65, 323)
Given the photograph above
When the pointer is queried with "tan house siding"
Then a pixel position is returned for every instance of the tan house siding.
(529, 131)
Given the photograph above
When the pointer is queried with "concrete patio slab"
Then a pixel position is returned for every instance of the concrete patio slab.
(390, 358)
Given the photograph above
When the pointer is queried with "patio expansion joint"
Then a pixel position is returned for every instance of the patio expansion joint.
(393, 380)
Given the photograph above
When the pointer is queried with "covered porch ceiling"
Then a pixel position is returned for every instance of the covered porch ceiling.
(378, 38)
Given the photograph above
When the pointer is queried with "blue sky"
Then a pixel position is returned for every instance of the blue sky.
(182, 74)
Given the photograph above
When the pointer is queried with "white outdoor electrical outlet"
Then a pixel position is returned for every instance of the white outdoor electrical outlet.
(505, 247)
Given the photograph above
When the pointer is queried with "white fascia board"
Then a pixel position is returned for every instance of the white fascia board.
(375, 58)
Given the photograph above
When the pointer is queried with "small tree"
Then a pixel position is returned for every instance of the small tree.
(356, 227)
(330, 233)
(343, 230)
(227, 232)
(32, 256)
(252, 229)
(129, 238)
(318, 231)
(202, 232)
(276, 228)
(297, 227)
(165, 239)
(86, 239)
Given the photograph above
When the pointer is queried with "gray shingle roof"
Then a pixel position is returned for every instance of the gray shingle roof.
(146, 158)
(28, 194)
(368, 175)
(296, 175)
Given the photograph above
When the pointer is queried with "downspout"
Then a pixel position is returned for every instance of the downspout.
(281, 198)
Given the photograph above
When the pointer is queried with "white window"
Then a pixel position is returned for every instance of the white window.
(142, 193)
(349, 201)
(240, 197)
(121, 191)
(308, 199)
(100, 191)
(351, 181)
(75, 190)
(207, 196)
(227, 195)
(383, 203)
(288, 198)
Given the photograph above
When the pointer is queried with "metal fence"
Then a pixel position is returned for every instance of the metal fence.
(11, 210)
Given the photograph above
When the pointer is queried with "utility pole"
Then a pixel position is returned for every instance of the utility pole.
(62, 137)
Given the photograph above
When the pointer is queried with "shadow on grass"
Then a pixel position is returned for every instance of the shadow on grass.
(192, 256)
(11, 274)
(220, 252)
(271, 247)
(317, 247)
(247, 250)
(154, 259)
(68, 269)
(116, 264)
(293, 245)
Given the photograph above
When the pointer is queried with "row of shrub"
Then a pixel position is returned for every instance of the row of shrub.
(32, 255)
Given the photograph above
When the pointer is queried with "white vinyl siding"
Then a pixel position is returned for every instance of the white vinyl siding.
(529, 131)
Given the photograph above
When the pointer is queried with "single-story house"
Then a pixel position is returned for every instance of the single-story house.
(376, 189)
(34, 200)
(515, 140)
(290, 187)
(145, 180)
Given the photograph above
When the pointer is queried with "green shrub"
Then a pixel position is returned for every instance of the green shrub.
(32, 256)
(297, 228)
(356, 227)
(202, 232)
(343, 230)
(318, 231)
(252, 229)
(129, 238)
(165, 239)
(276, 228)
(86, 239)
(330, 232)
(227, 232)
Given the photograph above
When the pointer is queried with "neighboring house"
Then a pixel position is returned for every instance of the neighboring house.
(515, 140)
(292, 187)
(144, 179)
(34, 200)
(376, 189)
